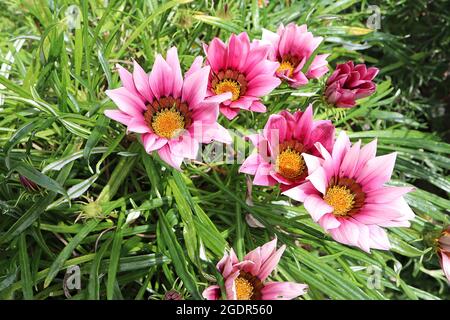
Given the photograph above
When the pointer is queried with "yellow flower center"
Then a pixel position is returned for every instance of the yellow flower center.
(290, 164)
(228, 85)
(341, 199)
(244, 288)
(286, 65)
(168, 123)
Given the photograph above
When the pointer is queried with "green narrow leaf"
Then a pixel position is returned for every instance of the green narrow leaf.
(178, 258)
(67, 251)
(27, 282)
(94, 279)
(115, 256)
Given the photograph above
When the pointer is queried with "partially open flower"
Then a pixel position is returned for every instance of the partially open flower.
(292, 47)
(172, 114)
(444, 252)
(349, 83)
(280, 147)
(245, 280)
(346, 195)
(241, 68)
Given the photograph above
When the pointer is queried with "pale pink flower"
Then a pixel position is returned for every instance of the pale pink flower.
(349, 83)
(292, 47)
(172, 114)
(346, 195)
(242, 68)
(280, 147)
(444, 252)
(246, 280)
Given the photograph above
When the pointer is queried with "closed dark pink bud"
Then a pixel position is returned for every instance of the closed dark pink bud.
(173, 295)
(28, 184)
(349, 83)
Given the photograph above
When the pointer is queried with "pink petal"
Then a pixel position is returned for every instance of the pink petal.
(215, 54)
(350, 161)
(386, 194)
(329, 221)
(367, 152)
(152, 142)
(317, 207)
(262, 85)
(262, 176)
(341, 146)
(378, 238)
(141, 82)
(283, 290)
(270, 264)
(302, 131)
(229, 113)
(276, 126)
(126, 102)
(167, 156)
(184, 147)
(118, 116)
(212, 293)
(311, 162)
(251, 164)
(194, 88)
(138, 125)
(196, 65)
(268, 249)
(319, 179)
(376, 172)
(300, 192)
(161, 78)
(445, 262)
(127, 81)
(257, 106)
(174, 63)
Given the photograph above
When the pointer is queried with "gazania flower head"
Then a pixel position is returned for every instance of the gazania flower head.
(280, 147)
(241, 68)
(292, 47)
(349, 83)
(444, 252)
(246, 280)
(172, 114)
(346, 195)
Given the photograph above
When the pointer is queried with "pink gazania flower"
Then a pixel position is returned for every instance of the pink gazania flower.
(292, 46)
(242, 68)
(245, 280)
(172, 114)
(444, 252)
(346, 195)
(349, 83)
(280, 147)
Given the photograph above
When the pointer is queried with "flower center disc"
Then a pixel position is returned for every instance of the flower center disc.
(168, 123)
(228, 85)
(286, 67)
(290, 164)
(244, 288)
(341, 199)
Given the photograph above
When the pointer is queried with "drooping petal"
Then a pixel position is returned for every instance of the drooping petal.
(167, 156)
(212, 293)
